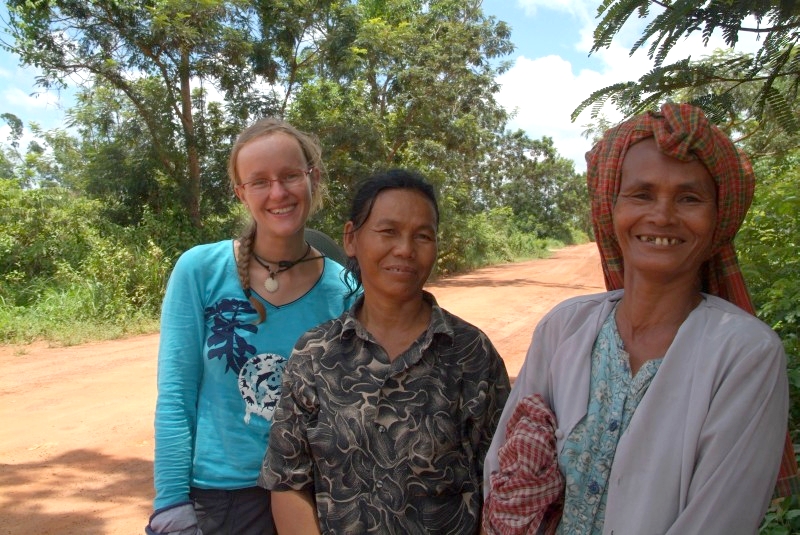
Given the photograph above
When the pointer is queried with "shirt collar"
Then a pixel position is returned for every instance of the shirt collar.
(440, 323)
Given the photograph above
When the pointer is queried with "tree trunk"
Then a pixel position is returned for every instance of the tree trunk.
(192, 193)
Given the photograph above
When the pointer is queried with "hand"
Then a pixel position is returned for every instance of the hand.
(179, 519)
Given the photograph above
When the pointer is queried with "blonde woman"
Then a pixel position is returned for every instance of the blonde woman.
(231, 315)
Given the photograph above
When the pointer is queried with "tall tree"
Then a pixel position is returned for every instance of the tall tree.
(408, 83)
(10, 155)
(547, 196)
(174, 42)
(122, 166)
(774, 70)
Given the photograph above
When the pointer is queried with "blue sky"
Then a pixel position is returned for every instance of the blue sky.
(551, 73)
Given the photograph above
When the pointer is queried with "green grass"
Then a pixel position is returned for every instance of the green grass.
(70, 316)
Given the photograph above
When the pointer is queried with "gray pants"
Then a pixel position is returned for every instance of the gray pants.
(233, 512)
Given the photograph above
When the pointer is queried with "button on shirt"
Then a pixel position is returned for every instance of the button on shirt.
(388, 447)
(589, 449)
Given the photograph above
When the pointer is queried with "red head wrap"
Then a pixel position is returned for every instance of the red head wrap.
(684, 133)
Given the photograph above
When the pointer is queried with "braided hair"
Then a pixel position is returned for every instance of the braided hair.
(312, 151)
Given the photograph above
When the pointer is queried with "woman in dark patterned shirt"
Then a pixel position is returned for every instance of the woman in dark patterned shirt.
(387, 411)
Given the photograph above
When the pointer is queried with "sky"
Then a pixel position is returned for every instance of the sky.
(551, 72)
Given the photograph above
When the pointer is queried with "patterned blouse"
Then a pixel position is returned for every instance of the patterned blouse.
(388, 447)
(589, 449)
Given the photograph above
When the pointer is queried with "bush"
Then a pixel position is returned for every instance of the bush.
(782, 518)
(41, 231)
(491, 237)
(69, 275)
(768, 244)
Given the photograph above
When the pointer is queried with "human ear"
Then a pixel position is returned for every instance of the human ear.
(348, 239)
(315, 177)
(238, 190)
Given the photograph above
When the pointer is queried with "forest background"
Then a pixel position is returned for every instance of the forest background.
(93, 215)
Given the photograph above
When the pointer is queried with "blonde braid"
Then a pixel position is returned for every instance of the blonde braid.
(243, 268)
(313, 154)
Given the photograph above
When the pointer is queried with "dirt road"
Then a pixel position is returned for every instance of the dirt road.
(76, 434)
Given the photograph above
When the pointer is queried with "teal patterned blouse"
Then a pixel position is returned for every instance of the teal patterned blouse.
(589, 449)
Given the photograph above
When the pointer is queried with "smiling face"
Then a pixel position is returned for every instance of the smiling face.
(665, 214)
(395, 246)
(280, 210)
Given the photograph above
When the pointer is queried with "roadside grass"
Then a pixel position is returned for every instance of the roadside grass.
(79, 309)
(22, 325)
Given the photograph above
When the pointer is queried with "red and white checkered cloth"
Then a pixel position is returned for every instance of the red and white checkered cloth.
(527, 492)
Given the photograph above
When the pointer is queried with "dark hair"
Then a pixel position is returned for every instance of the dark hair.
(364, 199)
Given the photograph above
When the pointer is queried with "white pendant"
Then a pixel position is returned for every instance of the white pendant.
(270, 285)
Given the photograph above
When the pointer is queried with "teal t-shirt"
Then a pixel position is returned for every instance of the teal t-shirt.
(219, 374)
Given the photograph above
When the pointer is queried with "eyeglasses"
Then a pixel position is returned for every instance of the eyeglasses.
(288, 180)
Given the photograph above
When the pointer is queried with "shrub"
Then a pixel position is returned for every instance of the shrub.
(768, 243)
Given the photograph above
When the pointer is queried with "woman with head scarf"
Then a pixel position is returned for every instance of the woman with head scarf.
(670, 397)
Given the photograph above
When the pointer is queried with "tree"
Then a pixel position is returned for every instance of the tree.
(10, 156)
(172, 43)
(774, 71)
(541, 187)
(407, 83)
(767, 245)
(122, 167)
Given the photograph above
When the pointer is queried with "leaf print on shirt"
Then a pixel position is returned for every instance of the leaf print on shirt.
(224, 340)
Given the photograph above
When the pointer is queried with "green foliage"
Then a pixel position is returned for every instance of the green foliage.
(9, 154)
(547, 197)
(150, 53)
(768, 245)
(140, 176)
(61, 264)
(782, 518)
(406, 83)
(39, 229)
(772, 72)
(490, 237)
(71, 275)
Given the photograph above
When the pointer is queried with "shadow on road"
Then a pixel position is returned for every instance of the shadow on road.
(91, 482)
(483, 283)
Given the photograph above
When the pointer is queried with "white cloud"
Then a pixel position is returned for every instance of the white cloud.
(579, 8)
(16, 98)
(544, 91)
(43, 107)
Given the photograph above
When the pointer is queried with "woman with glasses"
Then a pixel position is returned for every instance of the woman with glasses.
(231, 315)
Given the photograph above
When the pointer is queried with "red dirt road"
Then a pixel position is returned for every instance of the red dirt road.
(76, 434)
